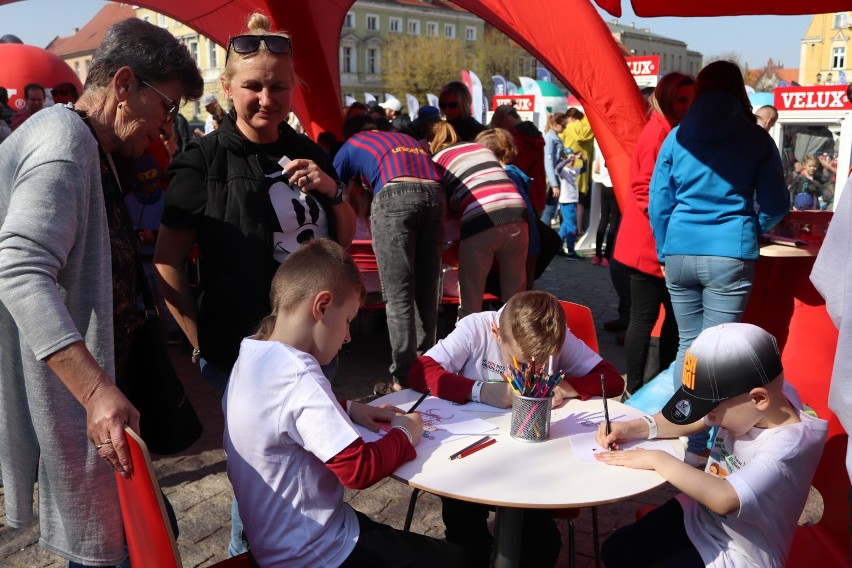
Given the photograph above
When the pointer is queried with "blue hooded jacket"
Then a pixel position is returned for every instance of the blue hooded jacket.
(703, 188)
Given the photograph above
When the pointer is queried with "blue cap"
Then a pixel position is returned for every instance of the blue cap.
(803, 201)
(428, 114)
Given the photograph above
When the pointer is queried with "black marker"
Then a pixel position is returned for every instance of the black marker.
(421, 399)
(606, 409)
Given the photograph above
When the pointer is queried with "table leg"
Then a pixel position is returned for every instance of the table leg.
(507, 541)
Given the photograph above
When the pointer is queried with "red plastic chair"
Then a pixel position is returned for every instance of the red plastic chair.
(150, 540)
(362, 253)
(581, 323)
(450, 263)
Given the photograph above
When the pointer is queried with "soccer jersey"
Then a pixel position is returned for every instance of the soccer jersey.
(376, 158)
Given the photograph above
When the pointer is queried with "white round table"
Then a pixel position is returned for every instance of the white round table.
(513, 475)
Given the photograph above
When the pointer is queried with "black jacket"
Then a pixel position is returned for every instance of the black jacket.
(217, 187)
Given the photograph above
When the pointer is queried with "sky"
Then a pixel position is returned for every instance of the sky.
(755, 38)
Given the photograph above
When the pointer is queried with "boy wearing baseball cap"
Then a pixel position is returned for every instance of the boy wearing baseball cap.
(742, 510)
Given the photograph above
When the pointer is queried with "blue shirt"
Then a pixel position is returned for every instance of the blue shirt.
(708, 171)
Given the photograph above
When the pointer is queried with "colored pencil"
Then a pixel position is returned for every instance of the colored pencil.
(421, 399)
(466, 453)
(473, 445)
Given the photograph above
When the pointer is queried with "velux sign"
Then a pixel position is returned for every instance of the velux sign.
(820, 97)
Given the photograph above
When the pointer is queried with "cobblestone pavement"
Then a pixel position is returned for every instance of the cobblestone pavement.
(198, 488)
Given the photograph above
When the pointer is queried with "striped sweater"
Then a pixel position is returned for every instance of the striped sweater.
(478, 188)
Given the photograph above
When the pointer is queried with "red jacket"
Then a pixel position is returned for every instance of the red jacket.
(635, 246)
(530, 159)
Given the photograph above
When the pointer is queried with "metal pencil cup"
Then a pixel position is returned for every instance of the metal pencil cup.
(530, 418)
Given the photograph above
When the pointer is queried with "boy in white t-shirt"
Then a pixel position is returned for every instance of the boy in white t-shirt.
(743, 509)
(467, 365)
(292, 447)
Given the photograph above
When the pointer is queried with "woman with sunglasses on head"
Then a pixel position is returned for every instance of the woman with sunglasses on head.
(68, 290)
(248, 194)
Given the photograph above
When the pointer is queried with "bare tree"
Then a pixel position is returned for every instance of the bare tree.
(421, 64)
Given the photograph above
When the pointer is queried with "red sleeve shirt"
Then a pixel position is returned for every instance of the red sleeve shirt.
(361, 464)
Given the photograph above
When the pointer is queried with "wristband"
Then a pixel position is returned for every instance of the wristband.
(406, 432)
(477, 388)
(652, 426)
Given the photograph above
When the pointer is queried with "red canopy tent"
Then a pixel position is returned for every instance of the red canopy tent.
(587, 60)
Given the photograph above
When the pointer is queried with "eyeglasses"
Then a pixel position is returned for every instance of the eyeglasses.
(249, 43)
(173, 109)
(449, 104)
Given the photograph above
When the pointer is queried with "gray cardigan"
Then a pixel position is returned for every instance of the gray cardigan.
(55, 289)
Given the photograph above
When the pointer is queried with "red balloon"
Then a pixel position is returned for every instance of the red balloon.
(23, 64)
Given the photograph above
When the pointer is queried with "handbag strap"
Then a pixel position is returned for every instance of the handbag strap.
(142, 282)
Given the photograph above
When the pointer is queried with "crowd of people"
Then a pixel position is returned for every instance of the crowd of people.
(269, 214)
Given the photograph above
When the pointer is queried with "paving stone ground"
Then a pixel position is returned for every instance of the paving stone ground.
(198, 488)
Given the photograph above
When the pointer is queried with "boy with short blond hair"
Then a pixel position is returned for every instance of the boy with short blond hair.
(743, 509)
(467, 365)
(292, 447)
(536, 323)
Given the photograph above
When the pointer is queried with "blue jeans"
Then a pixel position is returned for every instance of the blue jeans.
(549, 211)
(705, 291)
(407, 223)
(568, 228)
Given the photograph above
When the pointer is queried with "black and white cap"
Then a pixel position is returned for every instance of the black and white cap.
(723, 362)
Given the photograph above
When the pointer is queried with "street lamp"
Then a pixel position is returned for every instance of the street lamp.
(819, 78)
(828, 79)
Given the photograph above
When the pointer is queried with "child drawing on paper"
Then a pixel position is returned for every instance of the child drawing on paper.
(432, 419)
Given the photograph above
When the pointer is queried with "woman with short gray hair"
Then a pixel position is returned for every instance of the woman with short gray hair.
(68, 298)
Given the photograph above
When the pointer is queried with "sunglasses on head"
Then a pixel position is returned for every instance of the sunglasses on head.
(450, 104)
(278, 44)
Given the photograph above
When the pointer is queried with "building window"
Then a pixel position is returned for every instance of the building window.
(347, 60)
(372, 23)
(413, 27)
(212, 54)
(395, 25)
(840, 20)
(349, 21)
(432, 29)
(838, 57)
(470, 33)
(450, 31)
(77, 68)
(373, 61)
(193, 50)
(162, 21)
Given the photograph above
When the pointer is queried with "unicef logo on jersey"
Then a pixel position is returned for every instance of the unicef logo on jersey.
(301, 218)
(682, 410)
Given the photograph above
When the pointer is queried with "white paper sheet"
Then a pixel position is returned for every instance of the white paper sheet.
(443, 421)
